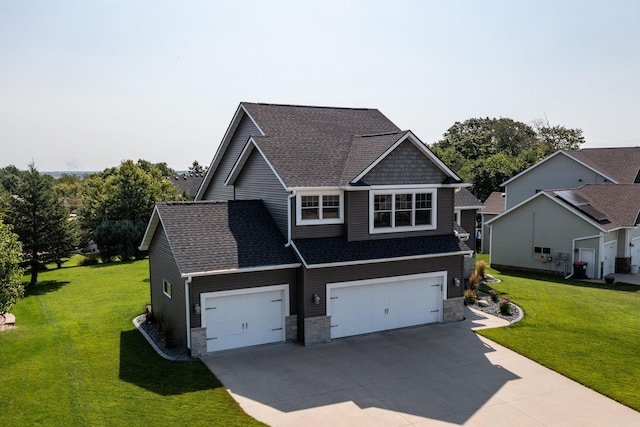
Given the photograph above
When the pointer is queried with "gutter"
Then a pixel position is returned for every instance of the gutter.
(188, 310)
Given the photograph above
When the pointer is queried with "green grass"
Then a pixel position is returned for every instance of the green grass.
(75, 358)
(587, 332)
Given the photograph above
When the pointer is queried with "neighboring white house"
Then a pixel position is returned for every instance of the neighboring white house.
(573, 206)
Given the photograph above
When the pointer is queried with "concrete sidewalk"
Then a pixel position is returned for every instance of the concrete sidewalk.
(441, 374)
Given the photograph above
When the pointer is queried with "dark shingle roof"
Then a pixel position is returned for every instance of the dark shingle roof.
(312, 146)
(620, 163)
(464, 199)
(611, 205)
(495, 203)
(213, 236)
(329, 250)
(188, 183)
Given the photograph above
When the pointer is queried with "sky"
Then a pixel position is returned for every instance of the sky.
(87, 84)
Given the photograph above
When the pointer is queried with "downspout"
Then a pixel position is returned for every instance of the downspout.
(289, 220)
(187, 282)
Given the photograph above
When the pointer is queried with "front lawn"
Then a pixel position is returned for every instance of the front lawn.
(587, 332)
(75, 358)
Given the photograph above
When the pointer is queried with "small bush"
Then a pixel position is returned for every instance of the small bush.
(494, 295)
(481, 268)
(474, 281)
(505, 306)
(89, 260)
(470, 297)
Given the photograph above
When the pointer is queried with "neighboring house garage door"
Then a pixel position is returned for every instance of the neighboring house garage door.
(244, 317)
(376, 305)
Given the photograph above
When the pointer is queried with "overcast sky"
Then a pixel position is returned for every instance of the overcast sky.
(86, 84)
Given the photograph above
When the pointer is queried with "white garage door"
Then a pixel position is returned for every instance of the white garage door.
(376, 305)
(243, 318)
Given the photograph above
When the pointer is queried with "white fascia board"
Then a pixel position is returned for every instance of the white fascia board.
(239, 270)
(466, 208)
(242, 159)
(558, 202)
(420, 146)
(222, 147)
(151, 229)
(380, 260)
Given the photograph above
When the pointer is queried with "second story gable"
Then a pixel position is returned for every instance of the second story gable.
(329, 172)
(574, 168)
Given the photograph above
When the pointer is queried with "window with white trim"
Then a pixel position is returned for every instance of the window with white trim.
(319, 207)
(166, 288)
(402, 210)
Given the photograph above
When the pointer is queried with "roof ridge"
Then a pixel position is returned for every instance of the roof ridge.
(311, 106)
(380, 134)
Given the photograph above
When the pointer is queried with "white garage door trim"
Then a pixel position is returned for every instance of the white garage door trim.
(245, 327)
(374, 317)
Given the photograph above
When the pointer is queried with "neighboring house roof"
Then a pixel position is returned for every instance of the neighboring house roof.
(316, 147)
(495, 203)
(321, 252)
(610, 205)
(465, 200)
(211, 237)
(188, 183)
(617, 164)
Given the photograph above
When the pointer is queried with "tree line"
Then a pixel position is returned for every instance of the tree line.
(44, 220)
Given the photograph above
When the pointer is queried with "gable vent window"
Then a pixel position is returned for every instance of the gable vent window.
(402, 211)
(319, 208)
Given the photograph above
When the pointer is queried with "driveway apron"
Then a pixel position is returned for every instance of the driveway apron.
(439, 374)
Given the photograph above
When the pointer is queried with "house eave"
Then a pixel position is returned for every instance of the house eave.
(381, 260)
(239, 270)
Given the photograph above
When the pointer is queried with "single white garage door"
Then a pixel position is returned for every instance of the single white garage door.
(244, 318)
(376, 305)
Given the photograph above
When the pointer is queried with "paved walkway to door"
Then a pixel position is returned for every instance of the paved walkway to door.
(441, 374)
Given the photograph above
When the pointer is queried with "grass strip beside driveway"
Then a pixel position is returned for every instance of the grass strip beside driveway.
(75, 358)
(587, 332)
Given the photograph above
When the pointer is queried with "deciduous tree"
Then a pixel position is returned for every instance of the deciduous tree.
(11, 288)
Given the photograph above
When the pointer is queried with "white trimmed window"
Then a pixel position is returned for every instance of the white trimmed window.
(166, 288)
(319, 207)
(401, 210)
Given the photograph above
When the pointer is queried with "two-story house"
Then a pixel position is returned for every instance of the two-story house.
(312, 223)
(573, 206)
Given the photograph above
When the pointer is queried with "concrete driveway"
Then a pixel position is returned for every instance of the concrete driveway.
(429, 375)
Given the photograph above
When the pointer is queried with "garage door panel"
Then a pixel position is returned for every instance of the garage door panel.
(245, 319)
(369, 307)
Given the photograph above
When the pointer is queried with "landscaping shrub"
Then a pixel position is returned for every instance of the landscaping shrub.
(470, 297)
(474, 281)
(505, 306)
(494, 295)
(481, 268)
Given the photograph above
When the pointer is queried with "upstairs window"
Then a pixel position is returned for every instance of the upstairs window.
(401, 211)
(166, 288)
(319, 208)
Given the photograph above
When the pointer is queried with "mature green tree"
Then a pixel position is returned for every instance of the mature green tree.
(127, 193)
(487, 152)
(69, 187)
(11, 288)
(40, 219)
(197, 168)
(156, 170)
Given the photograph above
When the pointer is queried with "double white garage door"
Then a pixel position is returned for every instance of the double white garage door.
(257, 316)
(377, 305)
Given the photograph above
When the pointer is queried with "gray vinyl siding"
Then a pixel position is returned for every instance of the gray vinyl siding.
(541, 222)
(404, 165)
(162, 266)
(216, 189)
(357, 210)
(555, 173)
(486, 233)
(258, 182)
(316, 279)
(314, 231)
(233, 281)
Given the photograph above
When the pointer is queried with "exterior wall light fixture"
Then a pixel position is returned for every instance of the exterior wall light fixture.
(196, 308)
(316, 299)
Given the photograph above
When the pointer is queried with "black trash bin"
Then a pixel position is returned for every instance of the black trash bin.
(579, 270)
